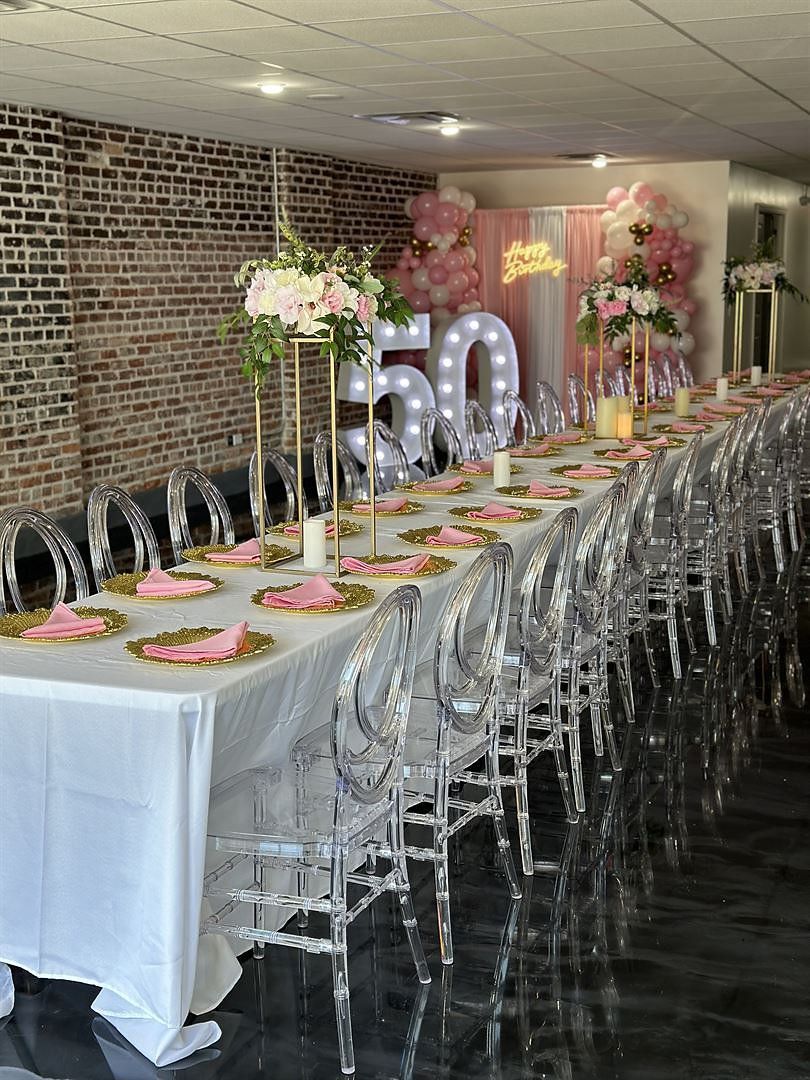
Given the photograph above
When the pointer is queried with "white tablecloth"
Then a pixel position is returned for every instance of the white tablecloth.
(106, 766)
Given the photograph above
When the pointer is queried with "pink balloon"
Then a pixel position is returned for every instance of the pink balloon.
(445, 215)
(470, 296)
(660, 201)
(458, 282)
(403, 264)
(640, 193)
(665, 246)
(424, 228)
(615, 196)
(420, 302)
(651, 266)
(434, 258)
(462, 217)
(677, 251)
(427, 204)
(671, 234)
(437, 274)
(687, 247)
(689, 306)
(453, 302)
(454, 261)
(415, 263)
(472, 276)
(683, 269)
(677, 290)
(406, 252)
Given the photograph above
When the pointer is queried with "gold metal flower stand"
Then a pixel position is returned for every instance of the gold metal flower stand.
(739, 327)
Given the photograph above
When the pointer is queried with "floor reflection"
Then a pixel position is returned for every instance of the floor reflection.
(662, 936)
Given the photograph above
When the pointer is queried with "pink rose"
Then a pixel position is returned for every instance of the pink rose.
(334, 301)
(363, 308)
(608, 308)
(288, 303)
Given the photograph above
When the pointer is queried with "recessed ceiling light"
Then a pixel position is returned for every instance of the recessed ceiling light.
(273, 87)
(599, 161)
(325, 97)
(449, 129)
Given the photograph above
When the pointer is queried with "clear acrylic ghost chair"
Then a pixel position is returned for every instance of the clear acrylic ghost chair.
(668, 377)
(317, 815)
(61, 548)
(385, 475)
(221, 520)
(322, 464)
(621, 381)
(794, 454)
(273, 462)
(618, 618)
(740, 494)
(454, 724)
(482, 439)
(666, 555)
(431, 420)
(529, 691)
(514, 409)
(580, 401)
(549, 414)
(772, 480)
(685, 373)
(143, 535)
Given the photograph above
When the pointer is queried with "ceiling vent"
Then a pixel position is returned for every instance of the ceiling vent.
(584, 157)
(11, 7)
(401, 119)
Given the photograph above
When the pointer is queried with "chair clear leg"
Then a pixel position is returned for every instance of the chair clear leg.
(499, 820)
(522, 789)
(396, 841)
(441, 865)
(340, 969)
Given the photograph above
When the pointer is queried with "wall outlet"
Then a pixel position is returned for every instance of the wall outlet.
(236, 439)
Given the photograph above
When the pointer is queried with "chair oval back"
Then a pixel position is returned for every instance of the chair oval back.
(550, 418)
(580, 400)
(432, 419)
(399, 459)
(143, 535)
(541, 613)
(370, 712)
(685, 373)
(220, 515)
(621, 381)
(682, 488)
(272, 459)
(645, 497)
(514, 408)
(719, 473)
(596, 563)
(467, 661)
(61, 548)
(666, 377)
(322, 462)
(482, 439)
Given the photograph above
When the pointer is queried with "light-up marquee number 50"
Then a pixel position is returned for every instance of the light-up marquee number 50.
(497, 368)
(408, 388)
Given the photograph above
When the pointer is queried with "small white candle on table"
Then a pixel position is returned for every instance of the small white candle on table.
(756, 375)
(682, 401)
(722, 388)
(315, 544)
(501, 471)
(624, 425)
(607, 409)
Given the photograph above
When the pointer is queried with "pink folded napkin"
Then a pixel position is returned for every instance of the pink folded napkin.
(635, 453)
(401, 566)
(293, 530)
(723, 409)
(538, 450)
(448, 535)
(384, 506)
(439, 485)
(494, 510)
(62, 622)
(248, 552)
(588, 470)
(564, 437)
(537, 487)
(685, 428)
(316, 593)
(478, 467)
(739, 400)
(705, 416)
(159, 583)
(770, 391)
(661, 440)
(221, 646)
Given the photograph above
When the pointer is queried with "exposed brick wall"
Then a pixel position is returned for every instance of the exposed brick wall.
(40, 461)
(122, 376)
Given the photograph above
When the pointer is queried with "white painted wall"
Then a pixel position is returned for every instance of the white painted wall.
(700, 188)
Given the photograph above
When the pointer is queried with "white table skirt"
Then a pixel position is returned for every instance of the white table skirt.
(106, 766)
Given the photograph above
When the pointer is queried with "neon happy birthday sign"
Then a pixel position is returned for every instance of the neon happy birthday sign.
(522, 259)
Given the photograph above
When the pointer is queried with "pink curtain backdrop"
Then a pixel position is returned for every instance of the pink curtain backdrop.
(493, 232)
(583, 246)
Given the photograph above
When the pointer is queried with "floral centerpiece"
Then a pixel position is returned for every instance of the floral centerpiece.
(615, 306)
(308, 293)
(761, 271)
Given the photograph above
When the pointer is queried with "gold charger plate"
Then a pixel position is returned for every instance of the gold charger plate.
(411, 485)
(437, 565)
(355, 596)
(583, 437)
(124, 585)
(410, 507)
(347, 528)
(255, 643)
(463, 472)
(666, 429)
(12, 625)
(562, 470)
(418, 537)
(783, 390)
(609, 450)
(654, 406)
(671, 443)
(527, 513)
(521, 491)
(552, 451)
(273, 553)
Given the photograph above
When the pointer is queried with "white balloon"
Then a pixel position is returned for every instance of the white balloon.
(615, 252)
(648, 218)
(452, 236)
(626, 210)
(621, 341)
(686, 343)
(661, 342)
(450, 194)
(605, 265)
(680, 219)
(439, 295)
(474, 305)
(472, 254)
(435, 238)
(462, 309)
(443, 246)
(439, 313)
(681, 318)
(618, 235)
(467, 201)
(651, 206)
(663, 221)
(607, 219)
(642, 249)
(408, 204)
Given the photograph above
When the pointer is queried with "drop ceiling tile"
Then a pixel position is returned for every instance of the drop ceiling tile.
(343, 59)
(394, 74)
(723, 31)
(409, 28)
(574, 42)
(633, 56)
(131, 50)
(536, 63)
(214, 67)
(41, 28)
(583, 15)
(274, 41)
(177, 16)
(24, 58)
(699, 10)
(767, 49)
(95, 76)
(783, 68)
(319, 11)
(654, 74)
(477, 48)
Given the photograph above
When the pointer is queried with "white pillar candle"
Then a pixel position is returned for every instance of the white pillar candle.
(315, 544)
(501, 472)
(756, 375)
(682, 401)
(607, 409)
(624, 425)
(722, 388)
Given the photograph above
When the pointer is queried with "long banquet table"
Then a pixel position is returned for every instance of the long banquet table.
(106, 765)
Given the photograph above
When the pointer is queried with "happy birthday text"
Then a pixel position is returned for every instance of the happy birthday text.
(522, 259)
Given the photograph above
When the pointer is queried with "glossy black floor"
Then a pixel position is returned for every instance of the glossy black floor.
(672, 944)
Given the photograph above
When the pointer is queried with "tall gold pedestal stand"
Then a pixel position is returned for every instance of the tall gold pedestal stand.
(645, 408)
(281, 565)
(735, 376)
(600, 389)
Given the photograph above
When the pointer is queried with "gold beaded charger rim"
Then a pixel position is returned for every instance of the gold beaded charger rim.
(347, 528)
(354, 595)
(13, 624)
(418, 537)
(437, 564)
(666, 429)
(457, 468)
(255, 643)
(564, 470)
(529, 453)
(654, 406)
(756, 394)
(583, 437)
(125, 585)
(521, 491)
(410, 507)
(272, 553)
(412, 485)
(527, 513)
